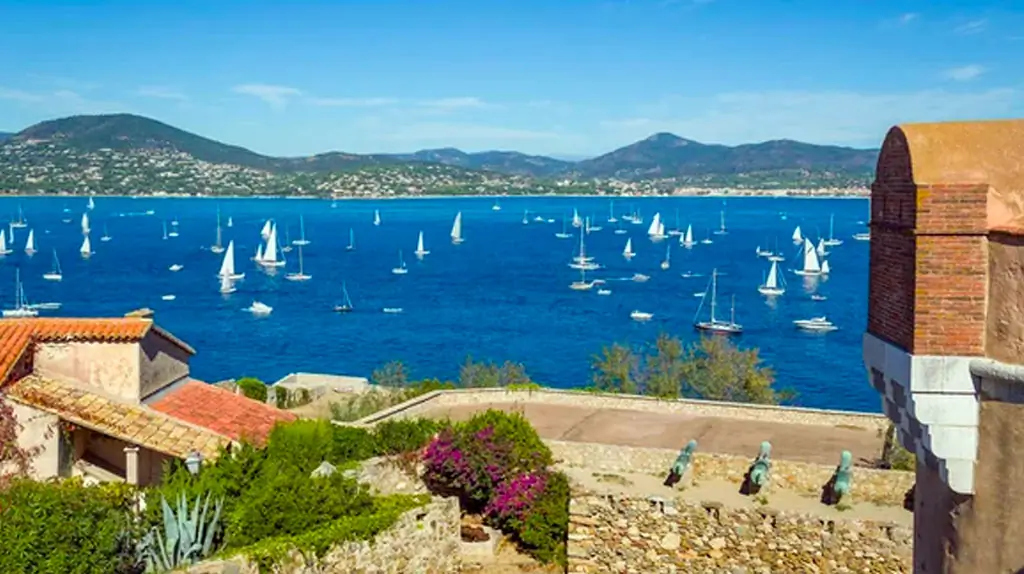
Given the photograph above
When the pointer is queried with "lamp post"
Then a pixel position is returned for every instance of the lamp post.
(193, 461)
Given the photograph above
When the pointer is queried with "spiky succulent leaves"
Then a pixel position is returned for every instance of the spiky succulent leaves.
(211, 528)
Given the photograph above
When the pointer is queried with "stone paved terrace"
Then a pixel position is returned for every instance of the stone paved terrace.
(801, 435)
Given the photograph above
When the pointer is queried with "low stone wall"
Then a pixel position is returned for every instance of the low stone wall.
(425, 539)
(636, 535)
(767, 413)
(884, 487)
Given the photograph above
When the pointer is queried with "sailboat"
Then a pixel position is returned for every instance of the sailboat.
(832, 241)
(526, 217)
(762, 252)
(351, 240)
(165, 230)
(619, 230)
(346, 302)
(668, 257)
(576, 221)
(67, 216)
(401, 269)
(721, 224)
(286, 247)
(591, 227)
(825, 269)
(55, 274)
(265, 232)
(713, 324)
(564, 234)
(301, 275)
(628, 251)
(259, 253)
(91, 205)
(376, 217)
(686, 240)
(227, 266)
(420, 249)
(227, 286)
(30, 243)
(707, 238)
(218, 247)
(85, 223)
(269, 258)
(495, 207)
(774, 284)
(656, 231)
(4, 250)
(798, 237)
(776, 255)
(231, 222)
(611, 213)
(21, 306)
(302, 233)
(106, 234)
(457, 229)
(259, 309)
(20, 222)
(820, 249)
(676, 231)
(86, 248)
(811, 265)
(582, 261)
(582, 284)
(174, 228)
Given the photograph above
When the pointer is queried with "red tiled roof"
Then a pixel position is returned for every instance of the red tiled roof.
(222, 411)
(16, 335)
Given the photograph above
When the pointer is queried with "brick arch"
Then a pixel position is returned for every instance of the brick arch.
(893, 192)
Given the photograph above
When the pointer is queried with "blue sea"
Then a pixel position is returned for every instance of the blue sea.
(501, 295)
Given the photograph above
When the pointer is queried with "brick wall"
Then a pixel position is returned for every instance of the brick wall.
(929, 260)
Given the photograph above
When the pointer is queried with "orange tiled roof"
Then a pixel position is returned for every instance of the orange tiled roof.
(132, 423)
(16, 335)
(221, 411)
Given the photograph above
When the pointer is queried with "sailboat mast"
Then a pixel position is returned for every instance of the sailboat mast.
(732, 313)
(714, 292)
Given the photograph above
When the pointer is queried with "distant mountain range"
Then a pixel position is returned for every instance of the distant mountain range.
(5, 135)
(662, 155)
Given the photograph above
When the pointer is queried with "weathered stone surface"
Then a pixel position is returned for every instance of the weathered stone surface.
(625, 534)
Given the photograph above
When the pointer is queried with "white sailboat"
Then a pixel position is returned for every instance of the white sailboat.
(259, 253)
(106, 234)
(707, 238)
(628, 251)
(231, 222)
(227, 285)
(420, 249)
(265, 232)
(457, 229)
(815, 324)
(20, 222)
(376, 217)
(656, 231)
(713, 324)
(174, 228)
(825, 269)
(86, 248)
(301, 275)
(85, 223)
(576, 221)
(286, 247)
(676, 230)
(30, 243)
(641, 316)
(564, 233)
(218, 247)
(820, 249)
(351, 240)
(774, 284)
(668, 257)
(165, 230)
(686, 240)
(55, 274)
(346, 301)
(611, 213)
(401, 269)
(864, 236)
(91, 205)
(832, 241)
(270, 257)
(721, 224)
(259, 309)
(227, 266)
(526, 217)
(582, 284)
(811, 266)
(496, 207)
(302, 233)
(4, 250)
(21, 306)
(798, 237)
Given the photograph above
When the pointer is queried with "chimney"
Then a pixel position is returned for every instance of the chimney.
(144, 313)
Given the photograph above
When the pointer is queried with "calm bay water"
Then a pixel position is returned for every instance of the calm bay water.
(502, 295)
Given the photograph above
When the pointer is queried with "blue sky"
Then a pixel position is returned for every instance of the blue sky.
(559, 77)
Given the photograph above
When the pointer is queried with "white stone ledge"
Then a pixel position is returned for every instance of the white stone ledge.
(942, 409)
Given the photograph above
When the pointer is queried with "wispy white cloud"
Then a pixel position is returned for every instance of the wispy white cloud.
(64, 83)
(964, 73)
(274, 96)
(972, 26)
(462, 135)
(15, 95)
(352, 102)
(60, 102)
(847, 118)
(908, 17)
(162, 93)
(460, 103)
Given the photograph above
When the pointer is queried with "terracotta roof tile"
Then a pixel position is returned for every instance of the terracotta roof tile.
(221, 411)
(16, 335)
(135, 424)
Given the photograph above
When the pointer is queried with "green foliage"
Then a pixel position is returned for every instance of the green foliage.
(361, 405)
(63, 528)
(404, 435)
(528, 450)
(489, 375)
(894, 456)
(187, 536)
(545, 530)
(712, 369)
(253, 388)
(392, 375)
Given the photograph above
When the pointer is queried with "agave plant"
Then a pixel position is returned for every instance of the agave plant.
(187, 537)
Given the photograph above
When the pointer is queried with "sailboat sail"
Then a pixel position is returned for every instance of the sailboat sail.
(376, 217)
(226, 285)
(797, 236)
(655, 227)
(267, 228)
(628, 251)
(420, 250)
(270, 253)
(688, 236)
(351, 239)
(302, 233)
(773, 277)
(55, 274)
(3, 242)
(30, 243)
(86, 248)
(457, 228)
(85, 223)
(227, 267)
(811, 263)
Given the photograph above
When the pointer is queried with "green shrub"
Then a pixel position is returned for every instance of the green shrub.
(253, 388)
(360, 405)
(404, 435)
(544, 532)
(302, 444)
(528, 450)
(351, 443)
(62, 528)
(289, 502)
